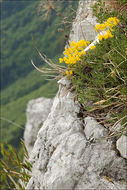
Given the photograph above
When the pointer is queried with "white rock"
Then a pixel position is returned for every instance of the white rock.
(37, 112)
(93, 129)
(122, 146)
(84, 24)
(63, 158)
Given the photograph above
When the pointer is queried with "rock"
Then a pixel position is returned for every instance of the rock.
(37, 112)
(84, 24)
(67, 156)
(93, 129)
(122, 146)
(52, 140)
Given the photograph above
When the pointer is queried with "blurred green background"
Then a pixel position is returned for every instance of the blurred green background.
(25, 25)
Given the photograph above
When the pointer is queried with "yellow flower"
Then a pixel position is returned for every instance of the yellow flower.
(109, 34)
(71, 50)
(105, 36)
(73, 61)
(111, 29)
(66, 52)
(78, 58)
(60, 60)
(106, 24)
(83, 52)
(67, 72)
(100, 37)
(66, 60)
(72, 44)
(71, 72)
(80, 54)
(79, 48)
(113, 21)
(92, 47)
(102, 26)
(110, 23)
(97, 28)
(76, 52)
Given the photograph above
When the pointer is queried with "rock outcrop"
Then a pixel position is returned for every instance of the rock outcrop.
(36, 113)
(85, 21)
(122, 146)
(71, 151)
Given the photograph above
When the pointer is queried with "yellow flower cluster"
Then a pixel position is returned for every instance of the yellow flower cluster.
(92, 47)
(108, 25)
(107, 35)
(73, 53)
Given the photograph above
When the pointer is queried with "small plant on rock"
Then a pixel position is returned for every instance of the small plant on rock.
(98, 70)
(14, 172)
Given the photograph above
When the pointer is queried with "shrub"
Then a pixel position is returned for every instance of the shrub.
(99, 71)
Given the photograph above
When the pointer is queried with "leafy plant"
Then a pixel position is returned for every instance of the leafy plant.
(99, 71)
(14, 172)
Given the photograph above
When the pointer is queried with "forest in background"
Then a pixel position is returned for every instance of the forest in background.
(26, 25)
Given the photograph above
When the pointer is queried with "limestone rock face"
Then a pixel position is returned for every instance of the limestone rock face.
(36, 113)
(84, 24)
(93, 129)
(122, 146)
(70, 153)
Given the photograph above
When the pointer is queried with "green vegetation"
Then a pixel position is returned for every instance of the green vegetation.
(24, 30)
(26, 25)
(99, 75)
(18, 95)
(102, 76)
(13, 171)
